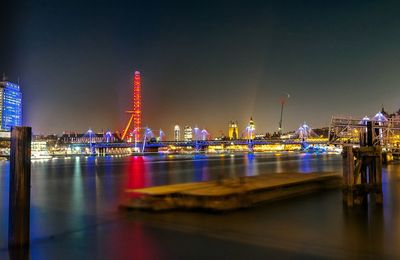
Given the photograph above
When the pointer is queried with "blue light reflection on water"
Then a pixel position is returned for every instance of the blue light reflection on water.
(305, 163)
(251, 168)
(106, 178)
(200, 168)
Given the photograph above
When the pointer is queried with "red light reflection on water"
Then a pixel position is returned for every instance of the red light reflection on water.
(135, 176)
(131, 241)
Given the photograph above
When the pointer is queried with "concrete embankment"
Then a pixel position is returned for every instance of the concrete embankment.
(230, 194)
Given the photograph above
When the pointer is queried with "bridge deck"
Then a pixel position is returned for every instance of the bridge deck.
(231, 193)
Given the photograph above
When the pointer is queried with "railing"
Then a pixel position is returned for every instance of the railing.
(200, 143)
(347, 130)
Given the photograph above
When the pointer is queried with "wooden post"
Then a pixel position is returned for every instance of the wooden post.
(378, 177)
(345, 166)
(369, 134)
(20, 186)
(348, 175)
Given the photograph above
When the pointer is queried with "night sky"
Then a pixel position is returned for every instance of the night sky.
(202, 62)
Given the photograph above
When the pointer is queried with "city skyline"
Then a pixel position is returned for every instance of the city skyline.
(236, 64)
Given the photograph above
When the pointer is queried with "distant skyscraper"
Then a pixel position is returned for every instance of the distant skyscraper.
(188, 134)
(177, 133)
(196, 133)
(233, 130)
(10, 105)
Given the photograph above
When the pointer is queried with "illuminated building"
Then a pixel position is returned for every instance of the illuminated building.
(205, 135)
(196, 132)
(39, 150)
(233, 130)
(250, 129)
(136, 112)
(177, 133)
(188, 134)
(10, 105)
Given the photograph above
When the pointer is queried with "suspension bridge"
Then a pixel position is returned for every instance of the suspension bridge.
(304, 138)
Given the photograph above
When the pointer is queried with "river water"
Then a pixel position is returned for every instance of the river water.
(74, 211)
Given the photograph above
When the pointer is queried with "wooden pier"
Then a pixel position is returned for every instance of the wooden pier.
(231, 194)
(362, 174)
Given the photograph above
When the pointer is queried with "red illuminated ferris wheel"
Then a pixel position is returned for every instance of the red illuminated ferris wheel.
(136, 112)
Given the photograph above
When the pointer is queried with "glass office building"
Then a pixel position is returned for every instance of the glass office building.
(10, 105)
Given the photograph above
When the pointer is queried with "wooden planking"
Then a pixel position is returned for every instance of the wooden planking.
(231, 193)
(232, 186)
(169, 189)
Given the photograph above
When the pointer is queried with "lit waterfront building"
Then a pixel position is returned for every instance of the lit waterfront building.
(10, 105)
(233, 131)
(188, 134)
(250, 130)
(177, 133)
(39, 150)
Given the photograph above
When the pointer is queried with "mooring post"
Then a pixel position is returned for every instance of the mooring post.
(20, 185)
(363, 177)
(378, 177)
(369, 134)
(348, 177)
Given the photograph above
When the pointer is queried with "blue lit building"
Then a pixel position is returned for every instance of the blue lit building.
(10, 105)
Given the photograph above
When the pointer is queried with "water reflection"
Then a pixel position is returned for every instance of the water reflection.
(391, 209)
(132, 243)
(106, 178)
(278, 164)
(134, 177)
(19, 254)
(364, 222)
(305, 163)
(251, 167)
(200, 168)
(72, 194)
(232, 168)
(4, 191)
(77, 187)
